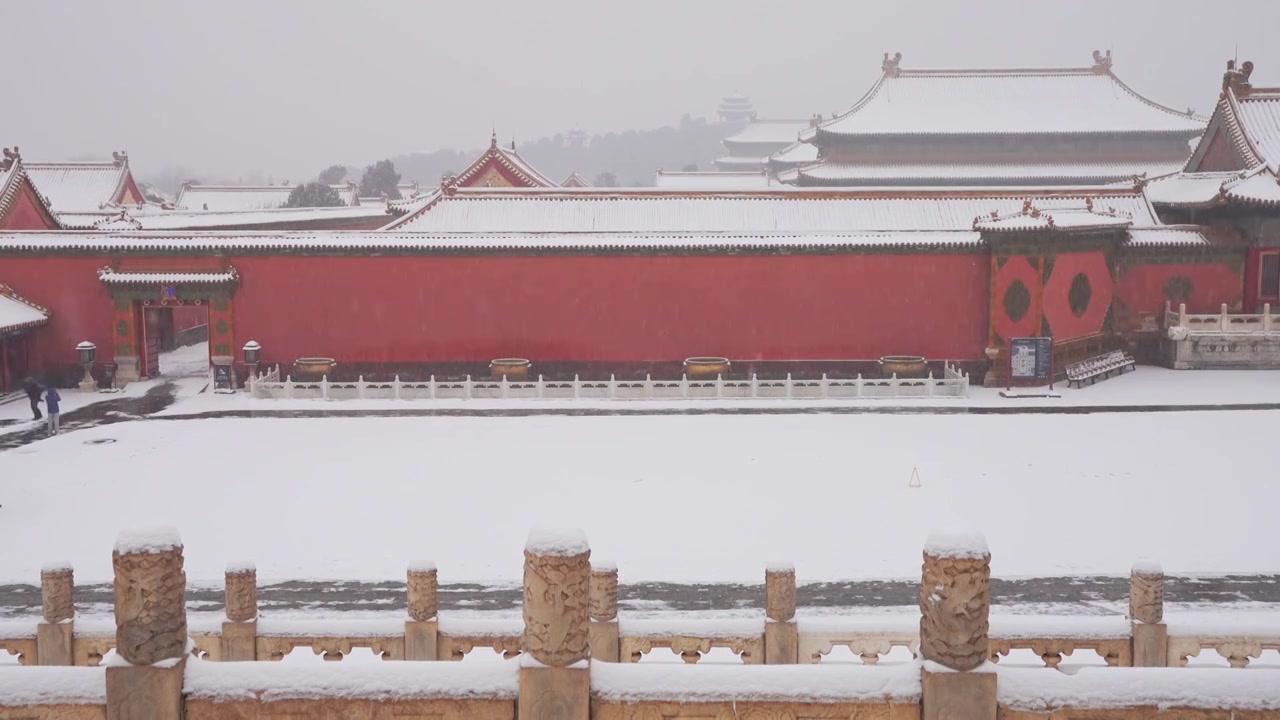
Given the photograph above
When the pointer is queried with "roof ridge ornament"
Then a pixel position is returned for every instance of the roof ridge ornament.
(120, 159)
(10, 157)
(1101, 63)
(889, 66)
(1237, 80)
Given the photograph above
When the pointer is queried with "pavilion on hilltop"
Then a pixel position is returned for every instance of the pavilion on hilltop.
(1066, 126)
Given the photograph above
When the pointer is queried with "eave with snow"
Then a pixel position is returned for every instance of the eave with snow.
(1004, 127)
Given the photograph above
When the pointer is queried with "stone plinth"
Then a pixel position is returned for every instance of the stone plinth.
(239, 641)
(955, 601)
(54, 644)
(151, 618)
(555, 693)
(956, 695)
(241, 592)
(421, 640)
(57, 593)
(423, 588)
(557, 574)
(145, 692)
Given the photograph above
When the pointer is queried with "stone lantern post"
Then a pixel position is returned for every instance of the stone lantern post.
(87, 351)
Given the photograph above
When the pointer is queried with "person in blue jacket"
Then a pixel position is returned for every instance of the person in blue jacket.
(51, 400)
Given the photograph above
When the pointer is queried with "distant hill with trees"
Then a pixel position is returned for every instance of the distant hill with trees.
(632, 157)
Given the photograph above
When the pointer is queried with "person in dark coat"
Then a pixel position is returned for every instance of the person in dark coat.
(33, 393)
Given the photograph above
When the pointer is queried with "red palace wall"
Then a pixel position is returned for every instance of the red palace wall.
(1141, 289)
(80, 304)
(404, 309)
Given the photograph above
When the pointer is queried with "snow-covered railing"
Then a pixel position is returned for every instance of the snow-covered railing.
(570, 644)
(1180, 324)
(953, 383)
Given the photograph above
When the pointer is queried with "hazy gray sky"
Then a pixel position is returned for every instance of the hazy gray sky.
(234, 86)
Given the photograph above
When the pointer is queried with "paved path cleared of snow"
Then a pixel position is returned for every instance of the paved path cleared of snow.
(677, 499)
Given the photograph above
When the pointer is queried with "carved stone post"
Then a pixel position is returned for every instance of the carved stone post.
(554, 682)
(151, 627)
(240, 631)
(55, 635)
(1146, 613)
(603, 632)
(421, 630)
(781, 635)
(955, 605)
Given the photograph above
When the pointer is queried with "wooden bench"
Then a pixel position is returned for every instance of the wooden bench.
(1099, 367)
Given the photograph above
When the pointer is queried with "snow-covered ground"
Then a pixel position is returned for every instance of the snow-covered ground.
(186, 361)
(675, 498)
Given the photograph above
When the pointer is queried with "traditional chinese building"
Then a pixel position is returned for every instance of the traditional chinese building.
(499, 166)
(1058, 126)
(749, 148)
(1232, 181)
(76, 187)
(575, 179)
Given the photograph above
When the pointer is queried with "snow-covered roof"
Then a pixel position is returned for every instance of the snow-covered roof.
(1206, 189)
(82, 186)
(247, 197)
(509, 159)
(19, 314)
(768, 132)
(452, 243)
(1089, 100)
(795, 154)
(211, 219)
(741, 162)
(658, 210)
(111, 277)
(1031, 218)
(1259, 116)
(575, 179)
(711, 180)
(984, 173)
(1168, 236)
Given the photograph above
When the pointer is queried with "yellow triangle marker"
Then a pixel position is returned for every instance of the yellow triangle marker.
(915, 478)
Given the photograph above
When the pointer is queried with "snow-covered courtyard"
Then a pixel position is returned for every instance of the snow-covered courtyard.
(674, 498)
